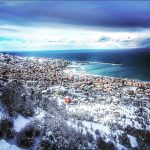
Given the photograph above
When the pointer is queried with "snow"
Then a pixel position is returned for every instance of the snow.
(133, 141)
(1, 114)
(76, 127)
(40, 113)
(6, 146)
(129, 88)
(20, 122)
(49, 133)
(68, 71)
(40, 60)
(103, 129)
(60, 101)
(109, 111)
(91, 127)
(121, 147)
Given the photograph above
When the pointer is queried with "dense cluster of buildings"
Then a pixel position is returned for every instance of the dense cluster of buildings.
(46, 71)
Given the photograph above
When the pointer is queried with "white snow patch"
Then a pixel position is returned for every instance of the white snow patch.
(103, 129)
(60, 101)
(1, 114)
(121, 147)
(40, 60)
(20, 122)
(6, 146)
(40, 113)
(133, 141)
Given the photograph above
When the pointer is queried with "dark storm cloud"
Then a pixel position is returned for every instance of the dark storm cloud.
(117, 14)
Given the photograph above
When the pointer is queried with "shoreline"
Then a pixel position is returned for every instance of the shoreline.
(101, 76)
(97, 62)
(119, 68)
(78, 64)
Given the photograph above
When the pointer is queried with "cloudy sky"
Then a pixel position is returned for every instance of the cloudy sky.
(50, 25)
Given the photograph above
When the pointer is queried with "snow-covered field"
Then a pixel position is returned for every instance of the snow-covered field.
(110, 119)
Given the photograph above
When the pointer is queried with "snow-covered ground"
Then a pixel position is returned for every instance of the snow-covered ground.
(20, 122)
(6, 146)
(133, 141)
(104, 115)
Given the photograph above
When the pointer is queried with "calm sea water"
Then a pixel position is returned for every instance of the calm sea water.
(134, 64)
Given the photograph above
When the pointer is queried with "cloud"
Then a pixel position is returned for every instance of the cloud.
(50, 38)
(8, 29)
(104, 39)
(145, 43)
(127, 42)
(110, 14)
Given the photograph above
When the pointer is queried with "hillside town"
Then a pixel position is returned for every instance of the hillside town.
(108, 112)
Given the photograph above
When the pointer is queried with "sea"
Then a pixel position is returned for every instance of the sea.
(124, 63)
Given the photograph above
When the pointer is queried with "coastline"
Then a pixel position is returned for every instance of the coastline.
(79, 63)
(130, 65)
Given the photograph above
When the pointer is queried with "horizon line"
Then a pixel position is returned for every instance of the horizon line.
(71, 49)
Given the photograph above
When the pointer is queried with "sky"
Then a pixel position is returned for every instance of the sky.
(58, 25)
